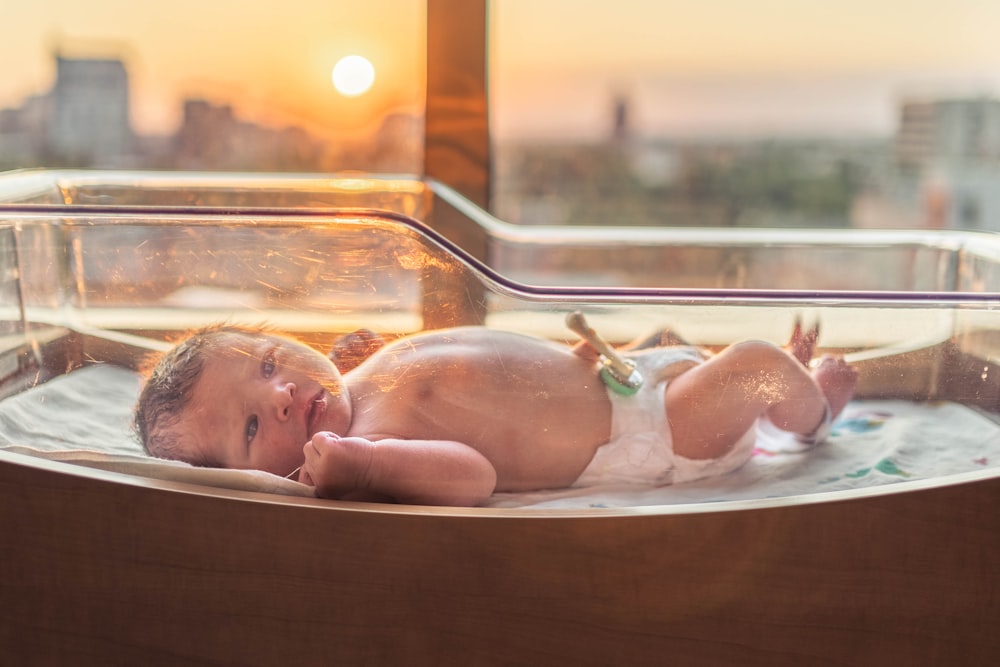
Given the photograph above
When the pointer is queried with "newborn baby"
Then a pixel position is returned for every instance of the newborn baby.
(448, 417)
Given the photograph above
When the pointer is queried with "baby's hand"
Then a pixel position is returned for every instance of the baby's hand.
(336, 465)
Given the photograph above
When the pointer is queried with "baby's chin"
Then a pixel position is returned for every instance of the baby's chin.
(287, 467)
(336, 417)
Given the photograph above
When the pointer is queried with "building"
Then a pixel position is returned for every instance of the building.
(89, 113)
(22, 132)
(212, 137)
(961, 131)
(946, 167)
(83, 120)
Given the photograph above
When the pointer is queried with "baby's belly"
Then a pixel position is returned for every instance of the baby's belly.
(537, 411)
(546, 453)
(534, 439)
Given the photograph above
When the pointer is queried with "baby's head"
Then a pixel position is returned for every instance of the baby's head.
(235, 397)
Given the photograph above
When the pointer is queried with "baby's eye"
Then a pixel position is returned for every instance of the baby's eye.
(267, 364)
(251, 428)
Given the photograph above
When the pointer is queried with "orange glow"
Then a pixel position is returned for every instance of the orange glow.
(551, 60)
(271, 61)
(732, 65)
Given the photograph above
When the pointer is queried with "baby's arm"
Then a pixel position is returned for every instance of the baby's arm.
(419, 472)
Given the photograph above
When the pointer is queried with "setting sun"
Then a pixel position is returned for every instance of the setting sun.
(353, 75)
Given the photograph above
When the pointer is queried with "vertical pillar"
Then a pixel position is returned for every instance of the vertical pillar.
(456, 147)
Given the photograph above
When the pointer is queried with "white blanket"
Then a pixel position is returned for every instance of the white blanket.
(85, 418)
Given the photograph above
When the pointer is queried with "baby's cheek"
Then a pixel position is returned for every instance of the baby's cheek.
(284, 457)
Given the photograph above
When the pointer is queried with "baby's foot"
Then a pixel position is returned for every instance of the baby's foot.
(837, 380)
(802, 344)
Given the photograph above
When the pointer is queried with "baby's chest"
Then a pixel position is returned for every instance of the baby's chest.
(489, 410)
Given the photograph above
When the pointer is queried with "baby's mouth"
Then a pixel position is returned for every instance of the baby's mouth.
(317, 408)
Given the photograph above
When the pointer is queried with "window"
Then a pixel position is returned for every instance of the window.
(227, 84)
(771, 113)
(776, 113)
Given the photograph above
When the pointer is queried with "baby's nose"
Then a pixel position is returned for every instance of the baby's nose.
(284, 399)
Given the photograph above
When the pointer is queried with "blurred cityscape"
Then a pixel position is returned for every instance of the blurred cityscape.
(83, 121)
(940, 168)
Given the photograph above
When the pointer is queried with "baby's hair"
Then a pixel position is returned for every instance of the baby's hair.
(170, 379)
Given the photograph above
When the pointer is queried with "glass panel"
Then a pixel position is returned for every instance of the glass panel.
(10, 296)
(229, 84)
(777, 113)
(914, 313)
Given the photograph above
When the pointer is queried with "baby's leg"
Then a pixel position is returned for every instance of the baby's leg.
(712, 405)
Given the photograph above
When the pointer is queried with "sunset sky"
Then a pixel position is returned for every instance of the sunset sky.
(271, 59)
(717, 66)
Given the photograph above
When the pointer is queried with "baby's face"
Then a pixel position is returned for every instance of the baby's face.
(259, 400)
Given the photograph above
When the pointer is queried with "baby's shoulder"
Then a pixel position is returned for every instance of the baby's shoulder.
(470, 339)
(467, 350)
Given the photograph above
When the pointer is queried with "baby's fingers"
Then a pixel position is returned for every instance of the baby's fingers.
(311, 456)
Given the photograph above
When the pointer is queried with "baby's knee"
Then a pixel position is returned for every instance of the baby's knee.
(754, 354)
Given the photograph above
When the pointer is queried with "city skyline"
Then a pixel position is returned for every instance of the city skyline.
(935, 167)
(272, 62)
(731, 67)
(777, 66)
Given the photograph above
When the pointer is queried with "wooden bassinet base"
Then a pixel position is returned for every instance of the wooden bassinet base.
(99, 568)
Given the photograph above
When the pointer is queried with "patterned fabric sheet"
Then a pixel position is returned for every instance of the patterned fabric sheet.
(84, 418)
(873, 443)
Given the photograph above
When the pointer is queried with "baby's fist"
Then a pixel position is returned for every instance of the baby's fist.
(335, 465)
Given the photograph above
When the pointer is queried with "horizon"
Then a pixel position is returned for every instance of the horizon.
(822, 71)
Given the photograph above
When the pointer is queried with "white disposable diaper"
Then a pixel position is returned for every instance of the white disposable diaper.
(641, 450)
